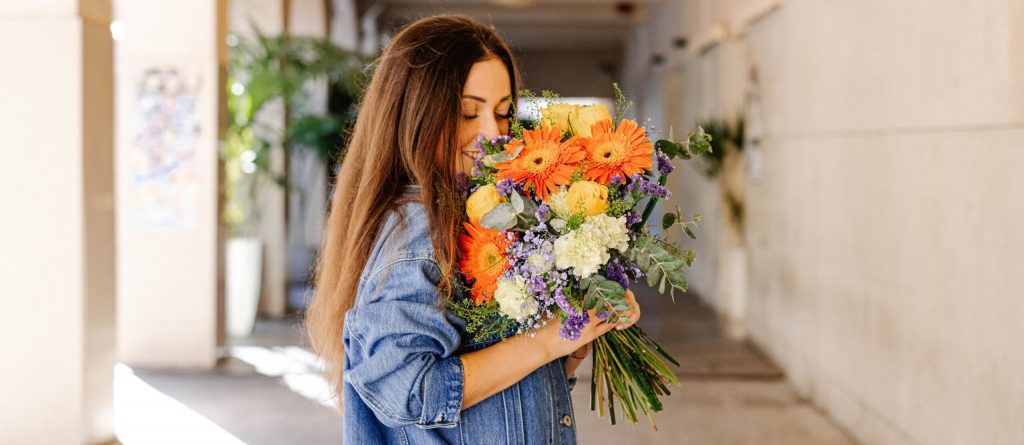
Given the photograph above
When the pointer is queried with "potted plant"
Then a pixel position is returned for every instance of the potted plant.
(262, 70)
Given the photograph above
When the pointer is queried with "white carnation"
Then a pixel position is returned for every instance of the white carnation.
(611, 232)
(584, 250)
(513, 299)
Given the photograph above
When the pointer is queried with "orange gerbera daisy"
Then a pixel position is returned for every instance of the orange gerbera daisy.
(546, 161)
(625, 151)
(483, 259)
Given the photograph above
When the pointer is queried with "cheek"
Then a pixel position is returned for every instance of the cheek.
(467, 134)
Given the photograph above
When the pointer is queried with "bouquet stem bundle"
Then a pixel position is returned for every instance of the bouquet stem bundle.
(627, 368)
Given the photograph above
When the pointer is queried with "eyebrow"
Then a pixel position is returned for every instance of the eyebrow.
(482, 100)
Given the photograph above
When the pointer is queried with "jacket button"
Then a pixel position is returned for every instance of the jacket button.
(566, 420)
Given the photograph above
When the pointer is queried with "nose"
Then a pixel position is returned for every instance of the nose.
(489, 127)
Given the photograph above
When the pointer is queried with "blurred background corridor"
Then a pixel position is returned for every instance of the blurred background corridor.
(858, 258)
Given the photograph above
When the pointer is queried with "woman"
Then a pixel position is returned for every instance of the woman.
(402, 365)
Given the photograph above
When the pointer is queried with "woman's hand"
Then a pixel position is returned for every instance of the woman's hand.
(558, 346)
(489, 370)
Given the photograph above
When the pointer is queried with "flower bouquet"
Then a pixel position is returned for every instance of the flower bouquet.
(557, 226)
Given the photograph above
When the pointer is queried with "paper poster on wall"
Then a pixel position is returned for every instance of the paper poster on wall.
(163, 188)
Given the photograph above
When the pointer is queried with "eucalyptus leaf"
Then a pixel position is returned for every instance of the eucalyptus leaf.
(605, 292)
(502, 217)
(670, 148)
(492, 159)
(529, 206)
(668, 220)
(557, 224)
(516, 201)
(689, 232)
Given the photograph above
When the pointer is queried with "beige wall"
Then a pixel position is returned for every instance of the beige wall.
(884, 227)
(168, 263)
(57, 286)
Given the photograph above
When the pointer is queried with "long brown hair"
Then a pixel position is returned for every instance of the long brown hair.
(406, 133)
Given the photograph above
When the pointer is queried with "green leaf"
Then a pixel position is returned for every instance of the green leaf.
(516, 201)
(603, 292)
(664, 269)
(492, 159)
(690, 256)
(671, 149)
(689, 232)
(668, 220)
(502, 217)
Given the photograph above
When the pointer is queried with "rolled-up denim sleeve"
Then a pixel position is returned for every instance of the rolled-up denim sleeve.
(407, 372)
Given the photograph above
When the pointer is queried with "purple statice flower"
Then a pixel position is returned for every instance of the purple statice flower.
(655, 189)
(542, 212)
(501, 140)
(616, 180)
(664, 163)
(634, 181)
(563, 302)
(632, 218)
(573, 326)
(505, 187)
(644, 187)
(617, 273)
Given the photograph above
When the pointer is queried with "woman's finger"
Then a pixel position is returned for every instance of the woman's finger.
(633, 314)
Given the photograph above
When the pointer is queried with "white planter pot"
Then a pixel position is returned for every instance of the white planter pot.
(243, 270)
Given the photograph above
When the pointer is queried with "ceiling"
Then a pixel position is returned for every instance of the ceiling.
(531, 25)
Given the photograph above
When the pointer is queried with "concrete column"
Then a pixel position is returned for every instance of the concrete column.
(307, 202)
(269, 17)
(57, 266)
(167, 161)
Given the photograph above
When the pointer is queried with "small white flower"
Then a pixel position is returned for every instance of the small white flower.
(539, 263)
(513, 299)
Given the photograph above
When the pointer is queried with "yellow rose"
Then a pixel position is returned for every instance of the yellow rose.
(587, 116)
(482, 201)
(557, 114)
(588, 196)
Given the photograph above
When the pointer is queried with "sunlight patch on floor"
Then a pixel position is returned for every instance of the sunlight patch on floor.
(297, 367)
(144, 415)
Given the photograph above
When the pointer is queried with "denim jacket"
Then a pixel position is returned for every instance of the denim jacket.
(403, 376)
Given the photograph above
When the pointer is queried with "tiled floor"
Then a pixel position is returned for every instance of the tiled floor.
(267, 392)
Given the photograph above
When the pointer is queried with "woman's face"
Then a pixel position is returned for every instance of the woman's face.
(486, 104)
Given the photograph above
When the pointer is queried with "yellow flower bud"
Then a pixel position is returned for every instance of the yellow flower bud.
(557, 114)
(588, 196)
(482, 201)
(587, 116)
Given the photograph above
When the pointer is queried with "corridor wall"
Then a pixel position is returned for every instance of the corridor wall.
(883, 218)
